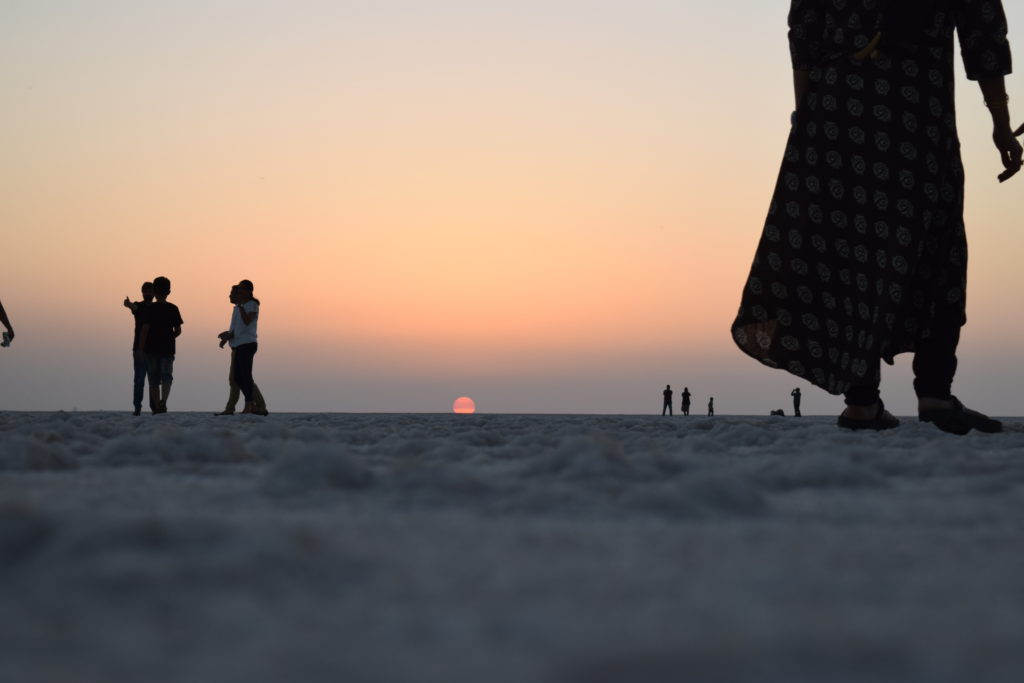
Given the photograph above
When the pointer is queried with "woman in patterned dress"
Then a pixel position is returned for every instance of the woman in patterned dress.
(864, 255)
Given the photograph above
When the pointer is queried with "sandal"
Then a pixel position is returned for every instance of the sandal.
(882, 420)
(957, 419)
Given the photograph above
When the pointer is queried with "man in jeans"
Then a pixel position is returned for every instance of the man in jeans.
(161, 325)
(138, 309)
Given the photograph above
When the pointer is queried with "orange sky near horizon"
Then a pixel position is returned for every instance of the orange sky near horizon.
(466, 193)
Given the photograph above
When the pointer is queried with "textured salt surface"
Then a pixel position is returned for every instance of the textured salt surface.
(507, 548)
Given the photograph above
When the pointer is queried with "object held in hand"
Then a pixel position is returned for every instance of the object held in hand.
(1009, 173)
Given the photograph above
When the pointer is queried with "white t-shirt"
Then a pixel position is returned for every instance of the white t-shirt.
(244, 334)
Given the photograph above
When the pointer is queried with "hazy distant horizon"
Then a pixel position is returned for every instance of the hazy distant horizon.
(546, 206)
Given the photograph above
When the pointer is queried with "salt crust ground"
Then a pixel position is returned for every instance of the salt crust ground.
(392, 548)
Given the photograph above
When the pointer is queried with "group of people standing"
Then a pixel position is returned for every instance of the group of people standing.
(684, 405)
(158, 325)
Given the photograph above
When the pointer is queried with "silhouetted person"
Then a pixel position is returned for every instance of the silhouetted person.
(686, 401)
(8, 335)
(141, 366)
(161, 326)
(711, 406)
(667, 403)
(234, 391)
(242, 338)
(864, 252)
(796, 401)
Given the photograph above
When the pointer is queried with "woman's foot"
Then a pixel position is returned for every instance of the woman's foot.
(225, 412)
(874, 417)
(950, 415)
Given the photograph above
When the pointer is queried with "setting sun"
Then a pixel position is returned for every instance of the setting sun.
(464, 406)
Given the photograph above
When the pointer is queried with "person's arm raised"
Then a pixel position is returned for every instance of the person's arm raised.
(247, 317)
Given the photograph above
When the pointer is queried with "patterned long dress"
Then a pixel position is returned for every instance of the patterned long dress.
(864, 244)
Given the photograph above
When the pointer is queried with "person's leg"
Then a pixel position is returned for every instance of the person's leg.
(935, 359)
(141, 370)
(261, 403)
(243, 371)
(935, 365)
(233, 390)
(153, 361)
(862, 399)
(864, 406)
(166, 379)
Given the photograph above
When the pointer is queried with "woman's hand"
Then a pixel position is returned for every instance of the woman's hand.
(1010, 150)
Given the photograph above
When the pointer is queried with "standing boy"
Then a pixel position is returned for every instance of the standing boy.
(666, 404)
(161, 326)
(138, 309)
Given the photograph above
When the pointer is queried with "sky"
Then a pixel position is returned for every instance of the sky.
(548, 206)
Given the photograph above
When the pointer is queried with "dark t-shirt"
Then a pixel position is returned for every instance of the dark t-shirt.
(161, 317)
(140, 309)
(668, 395)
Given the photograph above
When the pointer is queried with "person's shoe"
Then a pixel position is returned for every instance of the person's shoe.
(882, 420)
(958, 419)
(224, 412)
(161, 407)
(137, 412)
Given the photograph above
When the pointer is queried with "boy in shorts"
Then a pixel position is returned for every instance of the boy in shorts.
(161, 325)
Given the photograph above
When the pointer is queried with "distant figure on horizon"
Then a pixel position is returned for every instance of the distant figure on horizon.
(863, 255)
(234, 391)
(796, 401)
(161, 326)
(8, 335)
(686, 401)
(242, 338)
(141, 366)
(667, 403)
(711, 406)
